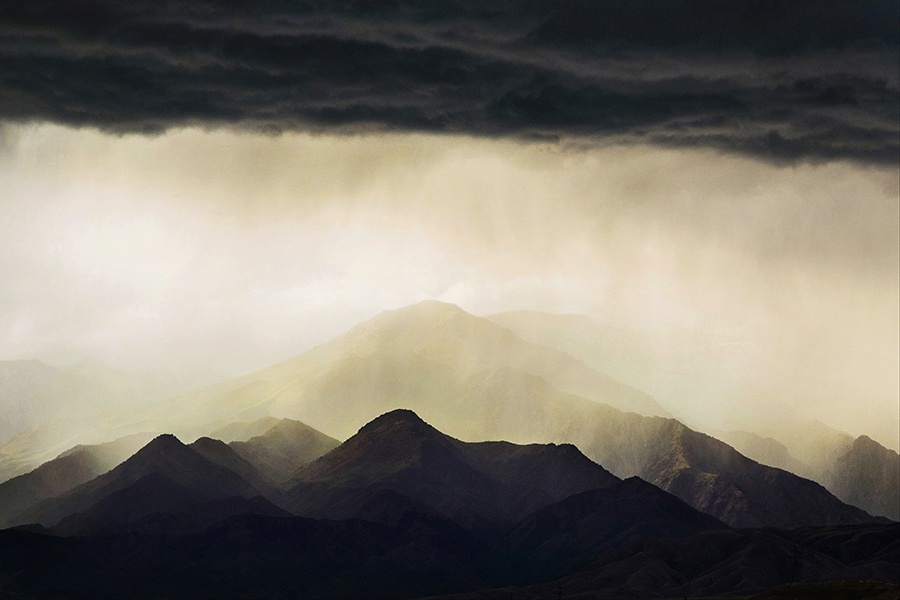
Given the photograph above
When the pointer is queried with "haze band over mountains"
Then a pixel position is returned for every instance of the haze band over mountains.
(591, 475)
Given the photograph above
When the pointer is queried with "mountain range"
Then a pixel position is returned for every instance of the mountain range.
(480, 381)
(803, 446)
(516, 461)
(399, 510)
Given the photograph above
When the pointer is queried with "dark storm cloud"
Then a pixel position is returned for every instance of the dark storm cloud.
(786, 80)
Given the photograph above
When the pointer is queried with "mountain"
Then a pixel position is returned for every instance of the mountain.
(868, 475)
(410, 512)
(706, 472)
(857, 470)
(48, 409)
(223, 455)
(812, 442)
(422, 356)
(156, 505)
(241, 431)
(70, 469)
(248, 556)
(284, 448)
(32, 392)
(568, 534)
(479, 485)
(263, 556)
(764, 450)
(741, 562)
(478, 381)
(626, 355)
(162, 476)
(732, 562)
(805, 447)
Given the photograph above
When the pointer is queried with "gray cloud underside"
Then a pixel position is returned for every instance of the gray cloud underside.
(785, 80)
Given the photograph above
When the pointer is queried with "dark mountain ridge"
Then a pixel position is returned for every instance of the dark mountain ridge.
(70, 469)
(166, 459)
(283, 448)
(413, 512)
(474, 483)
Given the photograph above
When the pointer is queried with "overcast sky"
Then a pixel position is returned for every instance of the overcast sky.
(217, 187)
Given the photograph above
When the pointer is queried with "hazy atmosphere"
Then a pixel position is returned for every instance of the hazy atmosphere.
(172, 197)
(450, 299)
(223, 252)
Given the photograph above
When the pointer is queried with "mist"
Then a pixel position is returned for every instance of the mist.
(766, 289)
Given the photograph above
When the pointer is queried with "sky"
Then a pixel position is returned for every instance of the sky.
(215, 186)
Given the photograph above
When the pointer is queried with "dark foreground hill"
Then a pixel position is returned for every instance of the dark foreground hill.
(858, 563)
(292, 557)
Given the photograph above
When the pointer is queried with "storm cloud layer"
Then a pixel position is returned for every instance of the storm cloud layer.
(784, 80)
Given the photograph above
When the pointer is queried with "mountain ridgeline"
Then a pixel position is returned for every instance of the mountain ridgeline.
(480, 381)
(398, 510)
(515, 468)
(801, 445)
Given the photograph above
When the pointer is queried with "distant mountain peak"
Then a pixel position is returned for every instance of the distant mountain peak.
(164, 445)
(164, 440)
(433, 305)
(426, 309)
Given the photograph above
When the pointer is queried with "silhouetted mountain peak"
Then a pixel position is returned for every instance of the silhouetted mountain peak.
(864, 442)
(395, 441)
(162, 444)
(395, 420)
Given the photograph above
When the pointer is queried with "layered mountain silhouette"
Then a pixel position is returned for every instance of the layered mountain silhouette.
(868, 475)
(241, 431)
(479, 381)
(283, 448)
(803, 446)
(163, 476)
(765, 450)
(479, 485)
(568, 534)
(70, 469)
(423, 356)
(410, 512)
(48, 409)
(859, 471)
